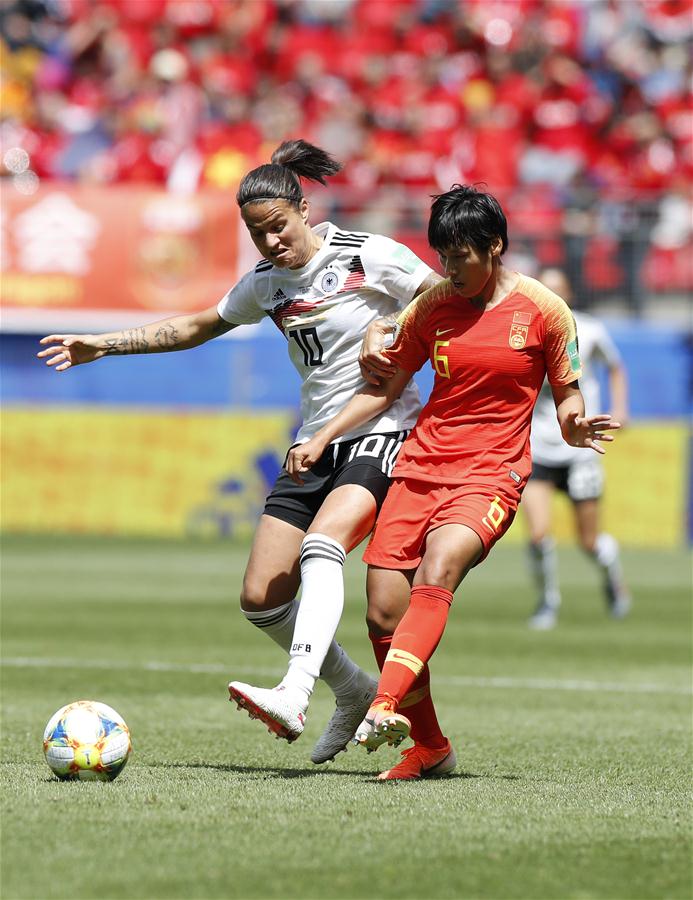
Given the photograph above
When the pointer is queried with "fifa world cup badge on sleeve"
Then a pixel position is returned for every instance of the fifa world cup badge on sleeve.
(573, 355)
(519, 330)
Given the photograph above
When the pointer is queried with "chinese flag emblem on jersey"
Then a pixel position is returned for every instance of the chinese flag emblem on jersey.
(519, 330)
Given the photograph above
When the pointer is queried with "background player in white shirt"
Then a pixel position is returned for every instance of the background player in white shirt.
(322, 287)
(575, 471)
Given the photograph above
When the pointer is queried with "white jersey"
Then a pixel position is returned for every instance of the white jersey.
(596, 348)
(324, 309)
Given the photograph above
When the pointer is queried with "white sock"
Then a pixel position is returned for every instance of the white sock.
(277, 623)
(544, 561)
(322, 602)
(606, 555)
(339, 671)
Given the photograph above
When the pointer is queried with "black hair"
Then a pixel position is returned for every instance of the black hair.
(464, 215)
(280, 179)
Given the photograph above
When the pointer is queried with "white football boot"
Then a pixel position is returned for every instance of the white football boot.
(544, 618)
(346, 718)
(382, 726)
(280, 712)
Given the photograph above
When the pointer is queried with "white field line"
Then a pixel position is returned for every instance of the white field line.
(531, 684)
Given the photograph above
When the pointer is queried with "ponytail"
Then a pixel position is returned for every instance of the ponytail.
(281, 178)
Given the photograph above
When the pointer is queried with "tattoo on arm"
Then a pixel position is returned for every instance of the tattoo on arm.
(166, 337)
(138, 342)
(130, 341)
(394, 325)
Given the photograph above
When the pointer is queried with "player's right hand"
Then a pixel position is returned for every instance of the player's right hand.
(374, 364)
(303, 457)
(67, 350)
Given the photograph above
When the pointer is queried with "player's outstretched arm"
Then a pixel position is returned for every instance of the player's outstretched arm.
(64, 351)
(577, 429)
(363, 406)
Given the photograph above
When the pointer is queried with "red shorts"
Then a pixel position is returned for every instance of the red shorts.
(414, 508)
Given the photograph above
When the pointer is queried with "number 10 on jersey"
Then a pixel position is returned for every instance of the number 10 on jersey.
(307, 340)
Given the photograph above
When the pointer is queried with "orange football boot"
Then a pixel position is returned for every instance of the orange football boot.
(422, 762)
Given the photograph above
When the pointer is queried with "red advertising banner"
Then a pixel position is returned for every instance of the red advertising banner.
(71, 249)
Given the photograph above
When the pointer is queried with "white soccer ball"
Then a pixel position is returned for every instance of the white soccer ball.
(86, 741)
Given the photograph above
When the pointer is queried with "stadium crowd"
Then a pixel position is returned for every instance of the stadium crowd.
(576, 114)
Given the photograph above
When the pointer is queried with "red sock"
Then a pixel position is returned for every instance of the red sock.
(414, 641)
(381, 647)
(418, 703)
(418, 707)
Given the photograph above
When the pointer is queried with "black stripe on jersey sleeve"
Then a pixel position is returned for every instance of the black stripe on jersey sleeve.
(264, 265)
(348, 239)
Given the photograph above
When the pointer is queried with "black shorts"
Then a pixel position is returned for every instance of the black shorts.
(580, 480)
(366, 460)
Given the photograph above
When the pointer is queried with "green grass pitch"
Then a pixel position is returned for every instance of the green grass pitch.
(574, 746)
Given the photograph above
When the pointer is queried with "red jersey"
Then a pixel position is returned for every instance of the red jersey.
(489, 365)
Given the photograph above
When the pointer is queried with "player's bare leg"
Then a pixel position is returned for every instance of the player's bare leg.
(388, 598)
(451, 551)
(604, 550)
(536, 505)
(273, 575)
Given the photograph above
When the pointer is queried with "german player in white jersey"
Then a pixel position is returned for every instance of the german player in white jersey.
(573, 470)
(322, 287)
(324, 309)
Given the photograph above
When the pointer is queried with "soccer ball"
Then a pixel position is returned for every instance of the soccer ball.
(86, 741)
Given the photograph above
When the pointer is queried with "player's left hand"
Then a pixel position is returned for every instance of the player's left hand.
(302, 458)
(588, 431)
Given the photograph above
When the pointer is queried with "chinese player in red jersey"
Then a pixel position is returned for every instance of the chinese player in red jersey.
(491, 335)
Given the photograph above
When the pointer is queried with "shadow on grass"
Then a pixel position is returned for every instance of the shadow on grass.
(315, 772)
